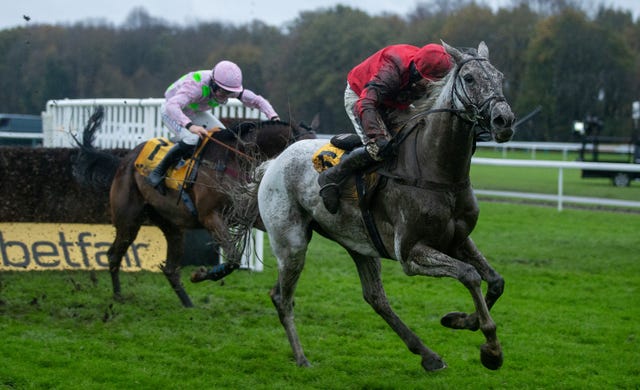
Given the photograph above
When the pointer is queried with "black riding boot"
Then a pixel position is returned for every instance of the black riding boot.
(178, 151)
(331, 179)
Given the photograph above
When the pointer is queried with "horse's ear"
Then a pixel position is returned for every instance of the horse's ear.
(483, 50)
(455, 53)
(315, 122)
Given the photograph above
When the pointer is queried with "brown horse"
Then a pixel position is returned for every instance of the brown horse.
(225, 163)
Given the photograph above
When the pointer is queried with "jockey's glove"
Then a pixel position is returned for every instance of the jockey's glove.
(379, 148)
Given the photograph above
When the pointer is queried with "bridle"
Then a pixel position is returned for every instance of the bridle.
(471, 112)
(475, 114)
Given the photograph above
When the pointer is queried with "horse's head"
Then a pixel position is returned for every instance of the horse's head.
(477, 92)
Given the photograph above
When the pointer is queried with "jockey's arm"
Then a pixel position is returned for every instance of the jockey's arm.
(174, 107)
(383, 85)
(252, 100)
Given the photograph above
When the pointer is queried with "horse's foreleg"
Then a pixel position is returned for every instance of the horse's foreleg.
(424, 260)
(173, 276)
(469, 253)
(374, 295)
(219, 230)
(171, 267)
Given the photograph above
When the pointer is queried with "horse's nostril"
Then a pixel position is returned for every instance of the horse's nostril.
(499, 122)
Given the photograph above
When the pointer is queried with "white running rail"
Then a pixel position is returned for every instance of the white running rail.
(127, 122)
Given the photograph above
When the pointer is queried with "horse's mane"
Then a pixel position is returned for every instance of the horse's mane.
(437, 91)
(244, 129)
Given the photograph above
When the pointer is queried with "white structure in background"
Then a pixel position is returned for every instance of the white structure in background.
(127, 123)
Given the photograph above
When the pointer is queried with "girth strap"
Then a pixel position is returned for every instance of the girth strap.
(426, 184)
(432, 185)
(367, 217)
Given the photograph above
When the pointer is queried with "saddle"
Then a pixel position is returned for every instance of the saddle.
(330, 154)
(153, 152)
(362, 189)
(155, 149)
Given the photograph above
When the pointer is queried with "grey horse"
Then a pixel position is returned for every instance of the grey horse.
(424, 212)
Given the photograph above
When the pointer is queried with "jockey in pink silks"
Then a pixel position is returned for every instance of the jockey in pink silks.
(186, 110)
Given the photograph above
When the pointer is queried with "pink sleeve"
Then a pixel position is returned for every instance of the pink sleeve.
(174, 104)
(250, 99)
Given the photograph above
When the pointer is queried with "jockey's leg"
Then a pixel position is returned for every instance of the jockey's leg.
(178, 151)
(331, 179)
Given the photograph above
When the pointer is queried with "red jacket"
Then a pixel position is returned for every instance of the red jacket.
(386, 79)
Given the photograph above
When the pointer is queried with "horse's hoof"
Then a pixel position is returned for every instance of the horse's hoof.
(458, 320)
(490, 358)
(303, 363)
(199, 275)
(118, 298)
(433, 363)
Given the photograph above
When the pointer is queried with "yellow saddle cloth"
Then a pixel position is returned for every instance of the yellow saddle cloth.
(150, 156)
(328, 156)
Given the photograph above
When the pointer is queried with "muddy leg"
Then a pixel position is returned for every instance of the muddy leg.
(171, 268)
(127, 214)
(219, 231)
(374, 295)
(291, 258)
(124, 238)
(174, 236)
(470, 254)
(173, 276)
(424, 260)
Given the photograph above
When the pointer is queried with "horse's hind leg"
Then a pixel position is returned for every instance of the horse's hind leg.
(125, 235)
(127, 213)
(291, 258)
(374, 295)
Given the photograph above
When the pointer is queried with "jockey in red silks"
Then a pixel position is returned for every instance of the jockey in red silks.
(186, 110)
(392, 78)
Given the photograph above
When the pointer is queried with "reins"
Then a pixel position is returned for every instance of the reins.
(295, 135)
(209, 136)
(231, 148)
(471, 113)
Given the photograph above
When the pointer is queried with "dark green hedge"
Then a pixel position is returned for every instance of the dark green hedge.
(36, 185)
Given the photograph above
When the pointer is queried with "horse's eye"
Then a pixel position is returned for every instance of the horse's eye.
(468, 78)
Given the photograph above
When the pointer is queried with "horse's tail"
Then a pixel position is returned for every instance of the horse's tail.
(242, 216)
(258, 173)
(91, 167)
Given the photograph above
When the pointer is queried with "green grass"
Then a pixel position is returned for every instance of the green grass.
(569, 318)
(545, 180)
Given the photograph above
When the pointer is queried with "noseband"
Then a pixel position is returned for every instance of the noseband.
(471, 112)
(474, 113)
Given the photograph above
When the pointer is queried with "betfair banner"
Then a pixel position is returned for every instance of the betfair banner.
(49, 246)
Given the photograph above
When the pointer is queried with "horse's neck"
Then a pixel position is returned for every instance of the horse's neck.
(438, 151)
(273, 140)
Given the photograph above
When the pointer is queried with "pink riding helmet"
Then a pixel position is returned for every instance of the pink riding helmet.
(228, 76)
